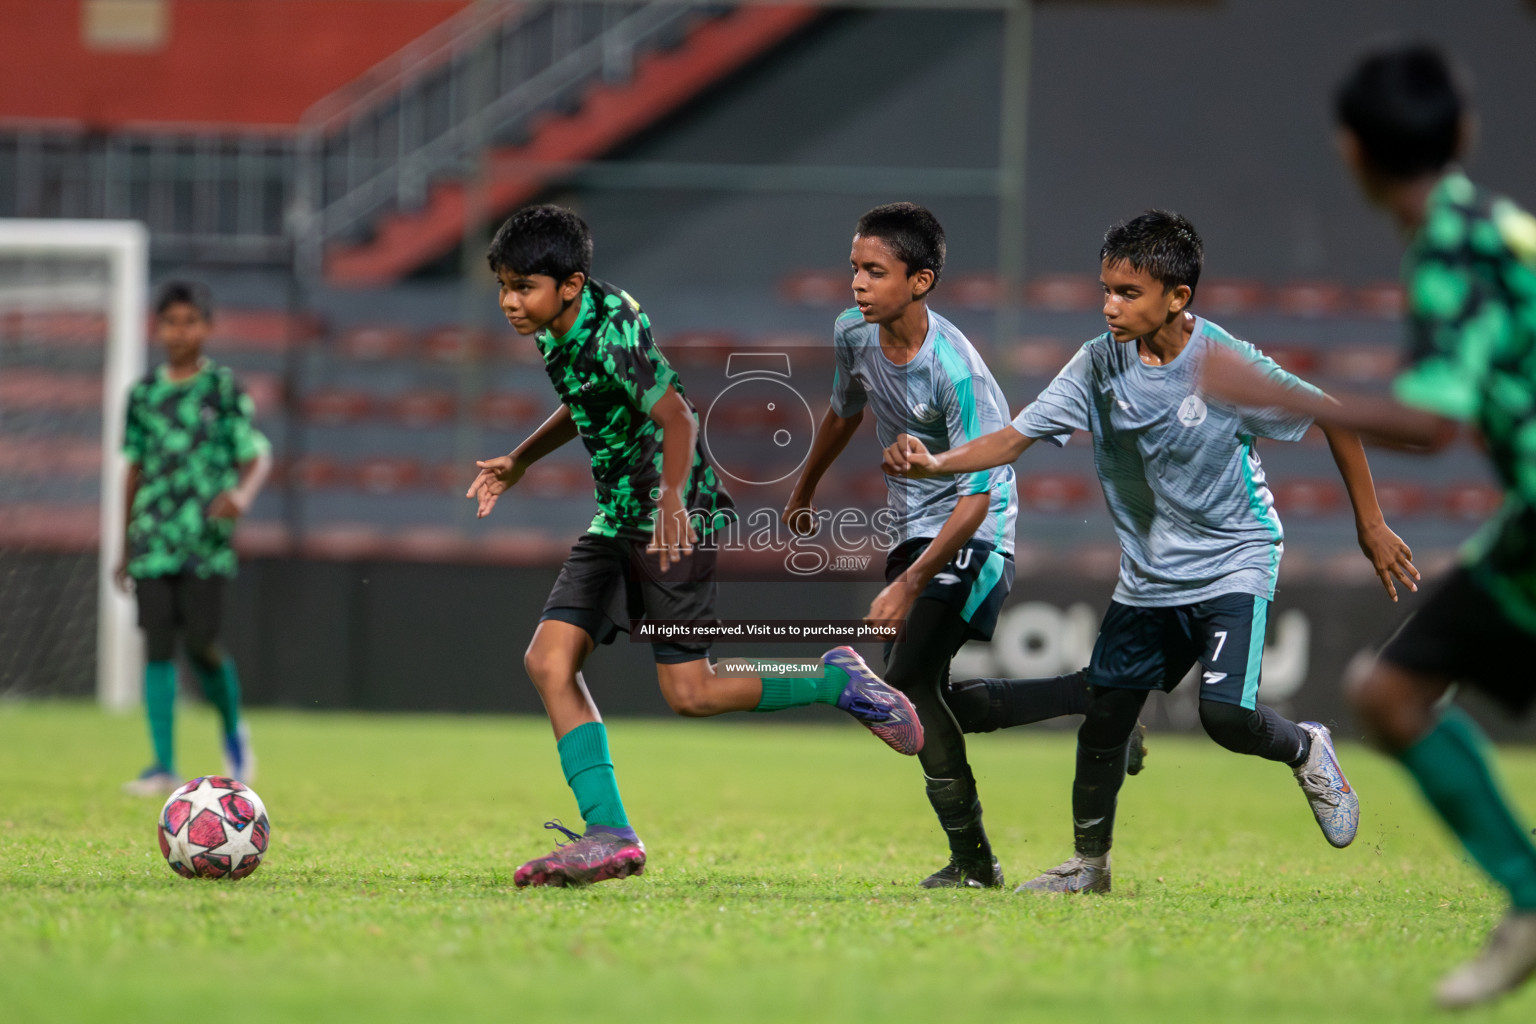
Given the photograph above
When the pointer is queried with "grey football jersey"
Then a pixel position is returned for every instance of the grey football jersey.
(1181, 476)
(944, 396)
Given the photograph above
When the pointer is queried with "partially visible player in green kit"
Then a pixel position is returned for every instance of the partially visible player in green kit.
(195, 464)
(1470, 274)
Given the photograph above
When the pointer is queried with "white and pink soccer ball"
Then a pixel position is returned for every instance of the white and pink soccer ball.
(214, 827)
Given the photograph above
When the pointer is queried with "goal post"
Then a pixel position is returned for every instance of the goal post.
(99, 268)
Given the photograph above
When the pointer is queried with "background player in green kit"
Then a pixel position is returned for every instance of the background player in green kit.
(1470, 273)
(648, 554)
(195, 464)
(1199, 535)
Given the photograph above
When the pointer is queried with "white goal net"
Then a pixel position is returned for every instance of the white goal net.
(72, 321)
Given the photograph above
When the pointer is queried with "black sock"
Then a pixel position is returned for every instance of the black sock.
(1111, 717)
(983, 705)
(959, 811)
(1261, 732)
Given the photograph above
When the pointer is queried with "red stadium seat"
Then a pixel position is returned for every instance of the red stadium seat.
(1299, 359)
(1472, 502)
(1385, 300)
(387, 476)
(375, 344)
(1053, 492)
(50, 527)
(343, 542)
(1066, 293)
(974, 291)
(51, 328)
(556, 480)
(420, 409)
(336, 408)
(1362, 364)
(828, 288)
(519, 547)
(511, 410)
(457, 344)
(699, 348)
(428, 544)
(45, 389)
(1037, 357)
(1224, 297)
(1307, 497)
(1401, 498)
(313, 473)
(73, 457)
(262, 539)
(268, 330)
(1311, 299)
(265, 389)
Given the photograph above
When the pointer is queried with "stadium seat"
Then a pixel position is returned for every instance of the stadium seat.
(1301, 360)
(513, 410)
(1037, 357)
(1053, 493)
(265, 389)
(50, 527)
(1361, 364)
(556, 480)
(699, 348)
(1225, 297)
(457, 344)
(76, 458)
(419, 409)
(519, 547)
(1064, 293)
(1310, 299)
(44, 389)
(1471, 502)
(312, 473)
(375, 344)
(825, 288)
(427, 544)
(263, 538)
(1308, 497)
(974, 291)
(1400, 498)
(387, 476)
(336, 408)
(52, 328)
(343, 542)
(1384, 299)
(266, 330)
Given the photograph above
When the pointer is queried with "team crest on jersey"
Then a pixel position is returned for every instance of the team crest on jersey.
(1192, 411)
(925, 413)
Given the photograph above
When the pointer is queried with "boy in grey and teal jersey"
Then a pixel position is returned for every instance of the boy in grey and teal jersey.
(1200, 538)
(649, 554)
(951, 566)
(1470, 278)
(195, 463)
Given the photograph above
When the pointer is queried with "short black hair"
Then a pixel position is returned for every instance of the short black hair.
(913, 233)
(1404, 103)
(189, 293)
(1162, 243)
(543, 239)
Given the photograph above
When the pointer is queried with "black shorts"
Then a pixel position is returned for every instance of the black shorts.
(1462, 634)
(184, 603)
(975, 583)
(1154, 648)
(609, 583)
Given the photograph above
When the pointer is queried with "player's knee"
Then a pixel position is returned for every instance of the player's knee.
(1239, 729)
(205, 654)
(547, 665)
(1110, 717)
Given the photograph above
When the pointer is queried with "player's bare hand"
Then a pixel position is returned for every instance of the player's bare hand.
(800, 516)
(120, 576)
(1390, 556)
(229, 505)
(893, 603)
(908, 456)
(493, 480)
(1227, 377)
(674, 535)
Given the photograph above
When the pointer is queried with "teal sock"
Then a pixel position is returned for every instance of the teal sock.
(160, 706)
(1452, 769)
(780, 692)
(221, 685)
(589, 771)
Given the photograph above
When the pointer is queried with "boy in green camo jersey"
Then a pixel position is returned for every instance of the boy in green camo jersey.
(195, 465)
(649, 554)
(1470, 274)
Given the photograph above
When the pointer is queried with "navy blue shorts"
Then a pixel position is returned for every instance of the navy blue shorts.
(975, 583)
(1154, 648)
(608, 583)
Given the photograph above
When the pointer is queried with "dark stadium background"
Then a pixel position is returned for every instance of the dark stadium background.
(721, 162)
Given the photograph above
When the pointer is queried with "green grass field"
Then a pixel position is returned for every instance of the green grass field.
(781, 884)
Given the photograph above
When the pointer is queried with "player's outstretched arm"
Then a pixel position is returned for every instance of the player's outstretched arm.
(495, 476)
(908, 456)
(831, 438)
(1390, 556)
(1384, 421)
(896, 600)
(674, 536)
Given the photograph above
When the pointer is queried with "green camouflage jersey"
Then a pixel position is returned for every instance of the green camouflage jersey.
(188, 438)
(608, 371)
(1471, 280)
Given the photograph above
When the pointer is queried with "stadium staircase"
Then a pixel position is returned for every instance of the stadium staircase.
(511, 97)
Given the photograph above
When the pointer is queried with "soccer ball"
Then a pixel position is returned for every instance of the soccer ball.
(213, 827)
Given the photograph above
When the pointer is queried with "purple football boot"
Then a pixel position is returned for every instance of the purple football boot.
(594, 857)
(884, 710)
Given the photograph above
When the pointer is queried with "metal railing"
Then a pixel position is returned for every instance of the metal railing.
(478, 80)
(204, 194)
